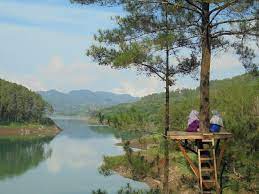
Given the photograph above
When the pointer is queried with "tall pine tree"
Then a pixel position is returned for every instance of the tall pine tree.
(208, 25)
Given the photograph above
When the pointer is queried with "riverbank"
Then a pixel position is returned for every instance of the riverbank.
(145, 164)
(28, 131)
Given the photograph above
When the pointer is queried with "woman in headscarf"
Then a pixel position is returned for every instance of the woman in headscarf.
(216, 121)
(193, 121)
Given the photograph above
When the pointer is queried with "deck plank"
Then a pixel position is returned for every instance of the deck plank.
(182, 135)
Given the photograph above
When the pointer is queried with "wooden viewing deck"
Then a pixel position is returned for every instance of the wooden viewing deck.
(207, 175)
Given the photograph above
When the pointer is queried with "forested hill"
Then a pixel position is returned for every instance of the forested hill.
(19, 104)
(236, 98)
(80, 102)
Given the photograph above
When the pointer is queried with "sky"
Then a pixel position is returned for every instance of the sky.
(43, 46)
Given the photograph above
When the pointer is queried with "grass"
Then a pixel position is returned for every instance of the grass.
(26, 138)
(110, 163)
(15, 125)
(176, 158)
(14, 131)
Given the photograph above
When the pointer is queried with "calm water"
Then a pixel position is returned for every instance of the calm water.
(67, 164)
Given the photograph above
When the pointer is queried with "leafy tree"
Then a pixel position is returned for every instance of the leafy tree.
(99, 191)
(214, 25)
(207, 25)
(100, 117)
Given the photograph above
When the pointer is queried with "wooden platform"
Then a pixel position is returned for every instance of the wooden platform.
(215, 158)
(182, 135)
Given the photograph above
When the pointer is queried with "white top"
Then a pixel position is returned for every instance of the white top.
(216, 119)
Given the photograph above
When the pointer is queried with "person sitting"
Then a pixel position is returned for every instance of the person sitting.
(193, 121)
(193, 126)
(216, 122)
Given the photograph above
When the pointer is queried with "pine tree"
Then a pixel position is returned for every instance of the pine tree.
(208, 25)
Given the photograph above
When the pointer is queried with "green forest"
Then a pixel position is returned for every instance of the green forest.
(236, 99)
(19, 104)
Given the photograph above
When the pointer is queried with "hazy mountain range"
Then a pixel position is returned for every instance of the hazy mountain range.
(80, 102)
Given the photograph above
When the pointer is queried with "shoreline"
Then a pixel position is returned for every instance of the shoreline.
(176, 176)
(175, 183)
(28, 131)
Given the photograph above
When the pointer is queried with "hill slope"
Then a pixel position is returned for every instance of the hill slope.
(82, 101)
(229, 96)
(19, 104)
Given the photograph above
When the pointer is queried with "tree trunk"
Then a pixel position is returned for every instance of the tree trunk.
(205, 70)
(166, 146)
(166, 142)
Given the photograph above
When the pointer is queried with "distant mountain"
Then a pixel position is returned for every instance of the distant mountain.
(78, 102)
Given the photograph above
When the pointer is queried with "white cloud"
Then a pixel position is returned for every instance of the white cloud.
(63, 75)
(225, 61)
(140, 87)
(77, 75)
(227, 64)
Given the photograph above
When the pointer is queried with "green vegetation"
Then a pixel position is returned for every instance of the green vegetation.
(22, 114)
(129, 190)
(19, 104)
(238, 101)
(147, 165)
(236, 98)
(135, 163)
(13, 125)
(27, 131)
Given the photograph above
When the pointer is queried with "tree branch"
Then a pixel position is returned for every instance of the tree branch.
(153, 70)
(234, 21)
(230, 33)
(224, 6)
(187, 8)
(220, 8)
(192, 3)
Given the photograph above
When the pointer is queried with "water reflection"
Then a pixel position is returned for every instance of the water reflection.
(17, 157)
(74, 156)
(69, 162)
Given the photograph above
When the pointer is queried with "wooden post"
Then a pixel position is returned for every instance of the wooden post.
(192, 165)
(222, 150)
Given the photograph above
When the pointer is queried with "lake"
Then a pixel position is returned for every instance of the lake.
(66, 164)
